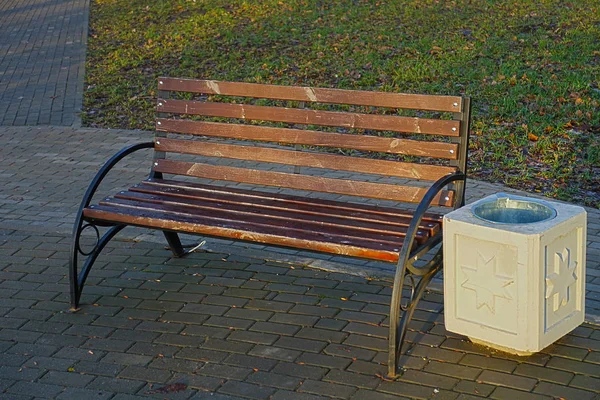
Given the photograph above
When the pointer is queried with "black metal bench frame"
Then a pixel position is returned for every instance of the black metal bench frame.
(417, 277)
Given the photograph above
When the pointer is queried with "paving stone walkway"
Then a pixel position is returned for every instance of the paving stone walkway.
(236, 323)
(42, 60)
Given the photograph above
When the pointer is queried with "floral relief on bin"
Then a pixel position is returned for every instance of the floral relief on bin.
(485, 281)
(560, 278)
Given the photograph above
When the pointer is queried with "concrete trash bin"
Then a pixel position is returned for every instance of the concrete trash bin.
(514, 271)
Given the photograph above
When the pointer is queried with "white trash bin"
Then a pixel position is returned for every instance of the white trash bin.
(514, 271)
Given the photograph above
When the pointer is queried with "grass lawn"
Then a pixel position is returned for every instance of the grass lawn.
(531, 67)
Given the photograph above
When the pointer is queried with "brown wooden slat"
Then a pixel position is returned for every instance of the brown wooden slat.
(310, 206)
(321, 95)
(238, 230)
(311, 117)
(303, 182)
(305, 159)
(308, 137)
(246, 211)
(343, 233)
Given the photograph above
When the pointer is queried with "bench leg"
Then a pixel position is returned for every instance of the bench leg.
(174, 243)
(77, 278)
(399, 325)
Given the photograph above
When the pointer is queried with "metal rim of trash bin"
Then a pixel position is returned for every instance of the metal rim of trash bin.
(506, 210)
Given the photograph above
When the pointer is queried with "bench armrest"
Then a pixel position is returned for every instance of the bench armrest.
(422, 208)
(87, 197)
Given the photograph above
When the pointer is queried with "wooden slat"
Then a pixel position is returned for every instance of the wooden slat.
(272, 206)
(213, 206)
(310, 206)
(239, 230)
(308, 137)
(198, 209)
(321, 95)
(312, 117)
(305, 159)
(301, 182)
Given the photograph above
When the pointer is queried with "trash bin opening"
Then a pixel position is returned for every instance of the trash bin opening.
(505, 210)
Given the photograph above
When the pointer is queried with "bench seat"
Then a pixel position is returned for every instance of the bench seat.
(359, 230)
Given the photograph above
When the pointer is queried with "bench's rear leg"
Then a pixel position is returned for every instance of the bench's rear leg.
(399, 324)
(175, 244)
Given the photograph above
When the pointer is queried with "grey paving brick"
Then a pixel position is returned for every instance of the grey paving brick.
(304, 309)
(256, 363)
(206, 331)
(409, 390)
(288, 395)
(50, 363)
(60, 340)
(77, 393)
(371, 395)
(225, 371)
(116, 385)
(176, 364)
(230, 323)
(554, 390)
(108, 344)
(35, 389)
(496, 364)
(72, 379)
(254, 337)
(14, 335)
(327, 389)
(544, 374)
(204, 355)
(300, 370)
(135, 372)
(302, 320)
(151, 349)
(184, 318)
(244, 313)
(474, 388)
(178, 340)
(248, 390)
(352, 379)
(342, 350)
(429, 379)
(573, 366)
(126, 359)
(512, 381)
(276, 353)
(14, 360)
(79, 354)
(586, 382)
(366, 342)
(98, 368)
(275, 380)
(322, 334)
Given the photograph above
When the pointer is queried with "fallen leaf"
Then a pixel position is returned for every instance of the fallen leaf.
(532, 137)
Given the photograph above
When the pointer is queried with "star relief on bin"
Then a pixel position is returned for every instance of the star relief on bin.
(559, 281)
(486, 283)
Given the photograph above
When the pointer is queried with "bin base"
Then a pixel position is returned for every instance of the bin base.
(501, 348)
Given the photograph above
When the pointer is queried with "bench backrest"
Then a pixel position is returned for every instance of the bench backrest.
(294, 122)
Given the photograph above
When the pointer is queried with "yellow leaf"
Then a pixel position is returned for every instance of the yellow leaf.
(532, 137)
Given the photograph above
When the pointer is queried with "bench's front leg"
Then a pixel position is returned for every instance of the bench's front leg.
(77, 278)
(405, 267)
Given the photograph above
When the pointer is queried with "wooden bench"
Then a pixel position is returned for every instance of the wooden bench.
(401, 149)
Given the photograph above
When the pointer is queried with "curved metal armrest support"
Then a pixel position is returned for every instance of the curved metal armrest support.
(87, 197)
(399, 326)
(420, 213)
(76, 278)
